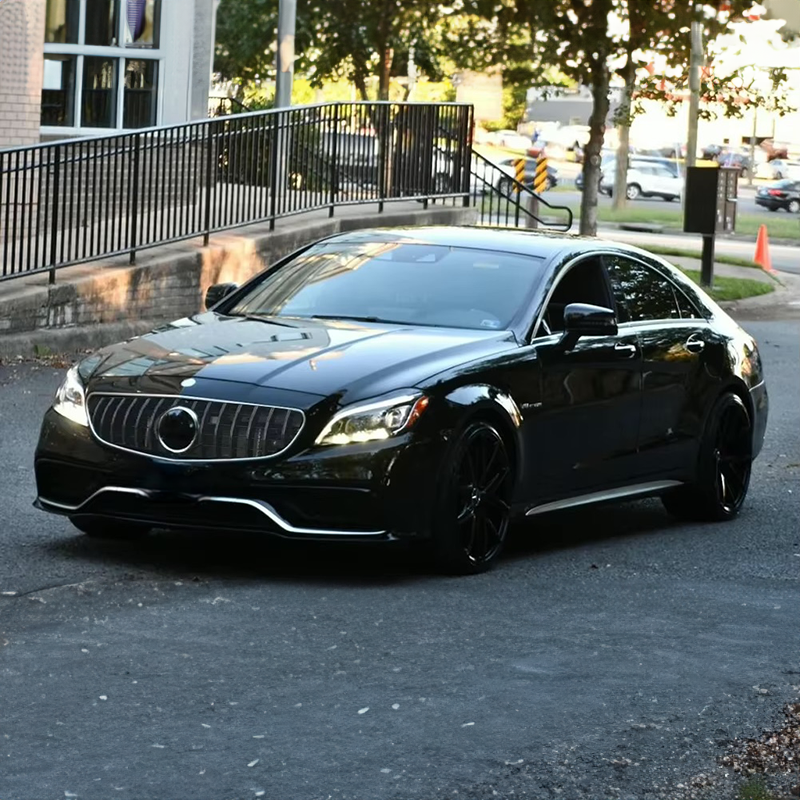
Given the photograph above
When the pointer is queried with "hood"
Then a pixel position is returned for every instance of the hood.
(315, 358)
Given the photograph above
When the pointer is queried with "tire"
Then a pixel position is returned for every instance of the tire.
(633, 191)
(472, 513)
(670, 198)
(723, 469)
(793, 207)
(102, 528)
(504, 186)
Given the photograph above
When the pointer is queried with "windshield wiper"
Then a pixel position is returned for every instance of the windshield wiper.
(263, 318)
(354, 318)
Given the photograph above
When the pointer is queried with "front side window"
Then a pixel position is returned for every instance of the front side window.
(640, 292)
(90, 79)
(410, 284)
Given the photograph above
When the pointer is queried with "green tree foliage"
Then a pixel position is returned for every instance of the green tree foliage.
(353, 40)
(245, 45)
(589, 41)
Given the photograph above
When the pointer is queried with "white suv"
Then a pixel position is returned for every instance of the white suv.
(647, 177)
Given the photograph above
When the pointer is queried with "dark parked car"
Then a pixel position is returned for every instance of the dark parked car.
(421, 384)
(784, 194)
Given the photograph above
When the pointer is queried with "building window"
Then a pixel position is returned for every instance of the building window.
(91, 80)
(58, 91)
(140, 93)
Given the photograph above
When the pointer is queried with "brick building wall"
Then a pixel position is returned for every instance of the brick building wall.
(21, 68)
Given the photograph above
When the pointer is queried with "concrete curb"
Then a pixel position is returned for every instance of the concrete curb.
(70, 341)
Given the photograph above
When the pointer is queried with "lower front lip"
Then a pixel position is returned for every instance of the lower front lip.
(353, 492)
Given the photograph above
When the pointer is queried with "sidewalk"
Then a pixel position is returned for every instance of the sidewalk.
(781, 304)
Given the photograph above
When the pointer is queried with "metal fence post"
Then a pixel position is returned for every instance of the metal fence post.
(465, 152)
(54, 219)
(334, 179)
(134, 202)
(212, 146)
(273, 169)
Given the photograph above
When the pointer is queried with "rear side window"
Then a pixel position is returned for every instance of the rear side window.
(640, 292)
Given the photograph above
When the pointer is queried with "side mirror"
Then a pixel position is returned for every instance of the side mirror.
(583, 319)
(218, 292)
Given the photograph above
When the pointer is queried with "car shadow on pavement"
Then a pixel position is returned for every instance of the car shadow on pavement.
(206, 555)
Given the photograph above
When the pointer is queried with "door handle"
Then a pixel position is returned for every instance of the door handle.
(695, 344)
(626, 350)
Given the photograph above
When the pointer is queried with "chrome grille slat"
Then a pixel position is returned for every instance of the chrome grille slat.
(262, 445)
(227, 431)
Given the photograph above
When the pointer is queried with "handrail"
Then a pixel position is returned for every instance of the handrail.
(78, 200)
(506, 187)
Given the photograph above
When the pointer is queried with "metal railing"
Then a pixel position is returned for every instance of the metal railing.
(76, 201)
(503, 200)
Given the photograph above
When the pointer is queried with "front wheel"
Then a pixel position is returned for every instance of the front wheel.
(101, 528)
(633, 191)
(793, 207)
(724, 466)
(473, 512)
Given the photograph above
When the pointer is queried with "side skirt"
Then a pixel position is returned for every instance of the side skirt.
(608, 495)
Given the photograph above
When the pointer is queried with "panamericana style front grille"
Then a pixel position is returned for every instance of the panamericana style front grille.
(225, 431)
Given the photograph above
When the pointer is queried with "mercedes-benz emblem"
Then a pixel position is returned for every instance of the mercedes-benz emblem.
(177, 429)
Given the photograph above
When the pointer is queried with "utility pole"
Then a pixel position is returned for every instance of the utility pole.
(695, 63)
(287, 15)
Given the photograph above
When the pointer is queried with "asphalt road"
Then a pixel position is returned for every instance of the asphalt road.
(612, 654)
(572, 197)
(785, 258)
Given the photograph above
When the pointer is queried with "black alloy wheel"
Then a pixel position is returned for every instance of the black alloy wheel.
(472, 519)
(724, 468)
(102, 528)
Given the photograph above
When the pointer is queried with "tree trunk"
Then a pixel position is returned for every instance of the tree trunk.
(597, 130)
(361, 85)
(624, 116)
(385, 66)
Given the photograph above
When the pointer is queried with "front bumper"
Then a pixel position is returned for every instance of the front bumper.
(378, 491)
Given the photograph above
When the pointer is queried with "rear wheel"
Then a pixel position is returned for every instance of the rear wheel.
(724, 467)
(102, 528)
(474, 508)
(633, 191)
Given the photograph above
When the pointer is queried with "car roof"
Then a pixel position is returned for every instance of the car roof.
(540, 244)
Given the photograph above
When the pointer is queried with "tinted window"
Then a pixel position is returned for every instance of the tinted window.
(415, 284)
(686, 306)
(640, 292)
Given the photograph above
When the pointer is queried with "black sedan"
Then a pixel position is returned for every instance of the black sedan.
(419, 384)
(784, 195)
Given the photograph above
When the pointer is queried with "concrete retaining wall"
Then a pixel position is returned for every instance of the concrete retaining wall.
(93, 305)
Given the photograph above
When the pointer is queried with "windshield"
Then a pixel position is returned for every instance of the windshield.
(412, 284)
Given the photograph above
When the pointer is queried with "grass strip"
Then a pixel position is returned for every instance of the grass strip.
(732, 288)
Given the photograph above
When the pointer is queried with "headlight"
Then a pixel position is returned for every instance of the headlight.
(375, 421)
(70, 399)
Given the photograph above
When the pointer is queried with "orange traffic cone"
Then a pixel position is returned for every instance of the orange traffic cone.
(763, 258)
